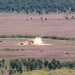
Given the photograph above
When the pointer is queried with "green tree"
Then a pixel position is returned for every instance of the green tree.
(16, 64)
(46, 63)
(40, 64)
(29, 6)
(54, 64)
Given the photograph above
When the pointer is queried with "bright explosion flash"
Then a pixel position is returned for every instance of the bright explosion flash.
(38, 41)
(35, 41)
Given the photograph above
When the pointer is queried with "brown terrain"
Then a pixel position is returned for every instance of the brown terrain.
(34, 24)
(61, 50)
(39, 25)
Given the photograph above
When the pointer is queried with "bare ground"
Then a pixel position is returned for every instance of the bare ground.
(22, 24)
(61, 50)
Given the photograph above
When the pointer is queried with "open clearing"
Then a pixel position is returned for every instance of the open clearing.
(61, 50)
(34, 24)
(39, 25)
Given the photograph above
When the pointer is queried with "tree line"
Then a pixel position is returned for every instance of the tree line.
(34, 36)
(21, 65)
(39, 6)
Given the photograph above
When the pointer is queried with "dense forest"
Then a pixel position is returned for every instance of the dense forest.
(39, 6)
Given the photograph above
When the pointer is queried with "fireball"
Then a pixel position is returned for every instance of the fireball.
(37, 41)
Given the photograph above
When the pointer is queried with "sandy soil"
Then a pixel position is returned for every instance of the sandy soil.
(22, 24)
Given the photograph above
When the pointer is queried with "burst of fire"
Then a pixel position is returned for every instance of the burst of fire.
(36, 41)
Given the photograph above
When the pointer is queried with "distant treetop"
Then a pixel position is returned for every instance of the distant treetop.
(39, 6)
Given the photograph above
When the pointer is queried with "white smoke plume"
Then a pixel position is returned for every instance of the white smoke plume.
(38, 41)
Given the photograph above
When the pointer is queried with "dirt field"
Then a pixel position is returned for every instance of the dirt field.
(61, 50)
(23, 24)
(50, 24)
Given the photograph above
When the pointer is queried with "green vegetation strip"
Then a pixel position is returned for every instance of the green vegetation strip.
(39, 6)
(23, 37)
(35, 67)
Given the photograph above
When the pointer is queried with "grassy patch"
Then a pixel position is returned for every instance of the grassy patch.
(58, 38)
(15, 39)
(49, 72)
(12, 49)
